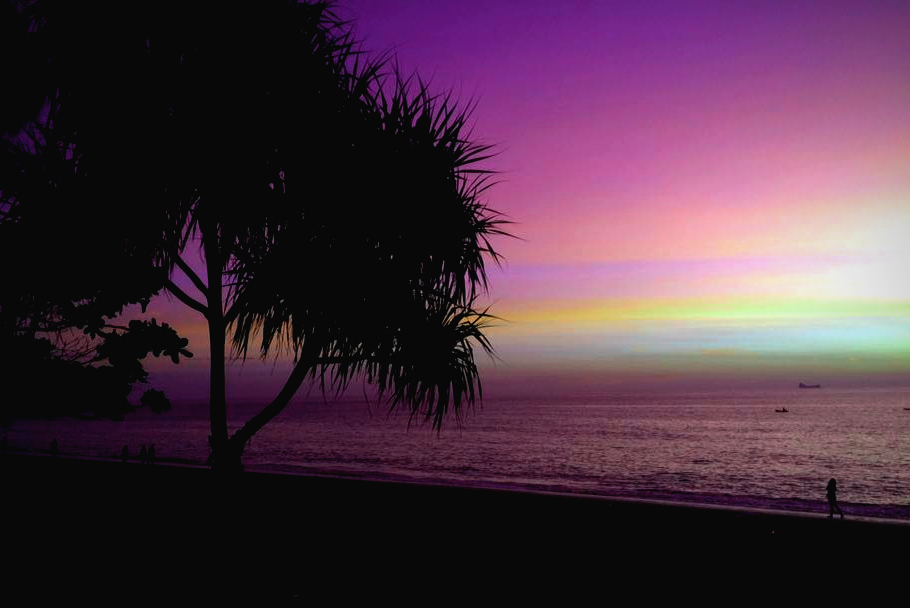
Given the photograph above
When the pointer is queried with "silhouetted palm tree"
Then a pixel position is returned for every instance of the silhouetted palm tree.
(337, 205)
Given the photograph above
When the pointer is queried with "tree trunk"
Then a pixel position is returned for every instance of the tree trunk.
(221, 458)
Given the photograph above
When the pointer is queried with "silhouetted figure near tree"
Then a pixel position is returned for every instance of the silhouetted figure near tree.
(54, 447)
(125, 453)
(143, 455)
(151, 454)
(832, 499)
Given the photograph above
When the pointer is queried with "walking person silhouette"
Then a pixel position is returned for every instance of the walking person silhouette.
(832, 499)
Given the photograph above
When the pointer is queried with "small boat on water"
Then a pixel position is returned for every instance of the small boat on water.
(801, 385)
(783, 409)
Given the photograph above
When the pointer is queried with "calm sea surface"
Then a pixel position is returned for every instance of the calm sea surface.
(718, 448)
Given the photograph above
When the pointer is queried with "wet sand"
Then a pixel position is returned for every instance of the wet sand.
(125, 532)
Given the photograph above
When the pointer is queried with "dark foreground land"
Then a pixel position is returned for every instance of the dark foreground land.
(128, 533)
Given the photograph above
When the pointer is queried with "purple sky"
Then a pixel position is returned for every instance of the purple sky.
(704, 191)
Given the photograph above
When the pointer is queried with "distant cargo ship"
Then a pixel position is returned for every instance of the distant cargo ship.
(801, 385)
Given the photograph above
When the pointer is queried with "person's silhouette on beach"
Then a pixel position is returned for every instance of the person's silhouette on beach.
(832, 499)
(151, 454)
(143, 455)
(54, 448)
(125, 453)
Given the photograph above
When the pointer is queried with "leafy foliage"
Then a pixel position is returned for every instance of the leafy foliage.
(338, 204)
(155, 400)
(76, 247)
(375, 272)
(41, 380)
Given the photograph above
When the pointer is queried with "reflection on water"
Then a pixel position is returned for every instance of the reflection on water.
(710, 447)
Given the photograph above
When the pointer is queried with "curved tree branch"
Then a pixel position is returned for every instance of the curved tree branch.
(183, 297)
(240, 438)
(192, 275)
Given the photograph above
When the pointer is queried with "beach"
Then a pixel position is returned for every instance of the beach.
(125, 531)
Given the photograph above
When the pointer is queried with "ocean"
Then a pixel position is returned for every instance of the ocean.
(720, 448)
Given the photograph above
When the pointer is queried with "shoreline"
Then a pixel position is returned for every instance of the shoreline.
(726, 503)
(634, 500)
(151, 529)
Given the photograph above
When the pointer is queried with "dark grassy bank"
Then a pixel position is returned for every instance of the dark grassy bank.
(123, 532)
